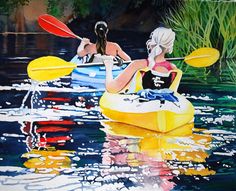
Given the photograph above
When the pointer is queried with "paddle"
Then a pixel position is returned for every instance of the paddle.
(48, 68)
(56, 27)
(201, 57)
(51, 67)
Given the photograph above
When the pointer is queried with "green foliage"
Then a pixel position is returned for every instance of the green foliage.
(154, 3)
(81, 8)
(228, 71)
(93, 7)
(57, 7)
(204, 24)
(6, 6)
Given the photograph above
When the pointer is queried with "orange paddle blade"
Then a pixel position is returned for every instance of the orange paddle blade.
(56, 27)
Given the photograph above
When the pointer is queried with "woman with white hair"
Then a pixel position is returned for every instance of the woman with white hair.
(157, 70)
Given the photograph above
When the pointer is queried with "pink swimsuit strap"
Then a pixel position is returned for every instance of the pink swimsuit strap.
(164, 64)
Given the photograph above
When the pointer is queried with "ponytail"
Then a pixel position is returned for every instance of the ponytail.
(101, 32)
(161, 39)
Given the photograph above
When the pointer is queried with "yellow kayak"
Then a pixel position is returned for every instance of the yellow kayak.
(152, 115)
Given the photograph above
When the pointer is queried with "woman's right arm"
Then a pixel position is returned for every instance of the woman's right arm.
(82, 49)
(120, 82)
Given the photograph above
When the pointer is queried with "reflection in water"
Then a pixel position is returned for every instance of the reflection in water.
(180, 151)
(227, 71)
(47, 161)
(128, 157)
(154, 159)
(44, 139)
(32, 89)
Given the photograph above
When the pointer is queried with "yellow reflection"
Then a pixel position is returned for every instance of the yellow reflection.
(145, 147)
(202, 172)
(48, 161)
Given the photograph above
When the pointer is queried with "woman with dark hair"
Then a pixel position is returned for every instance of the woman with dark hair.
(103, 49)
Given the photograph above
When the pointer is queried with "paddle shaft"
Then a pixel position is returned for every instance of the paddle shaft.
(75, 66)
(101, 63)
(189, 58)
(127, 62)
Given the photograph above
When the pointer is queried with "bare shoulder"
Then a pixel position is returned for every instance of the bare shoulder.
(113, 44)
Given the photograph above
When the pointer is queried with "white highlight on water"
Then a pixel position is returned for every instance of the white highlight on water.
(12, 135)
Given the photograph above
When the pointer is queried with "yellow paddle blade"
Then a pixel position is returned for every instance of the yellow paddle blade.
(202, 57)
(49, 68)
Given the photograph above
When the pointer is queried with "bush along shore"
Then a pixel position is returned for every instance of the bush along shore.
(206, 24)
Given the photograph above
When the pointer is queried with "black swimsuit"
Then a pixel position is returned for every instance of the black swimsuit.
(150, 81)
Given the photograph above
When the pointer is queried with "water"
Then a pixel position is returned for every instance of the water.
(60, 141)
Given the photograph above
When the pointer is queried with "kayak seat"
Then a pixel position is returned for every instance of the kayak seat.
(162, 95)
(144, 79)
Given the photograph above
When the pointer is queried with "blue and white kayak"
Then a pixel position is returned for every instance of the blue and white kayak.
(91, 76)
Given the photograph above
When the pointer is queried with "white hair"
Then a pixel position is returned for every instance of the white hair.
(160, 39)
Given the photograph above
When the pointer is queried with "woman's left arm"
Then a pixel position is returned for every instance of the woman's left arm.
(119, 83)
(121, 53)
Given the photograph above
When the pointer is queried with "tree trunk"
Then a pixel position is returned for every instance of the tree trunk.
(20, 19)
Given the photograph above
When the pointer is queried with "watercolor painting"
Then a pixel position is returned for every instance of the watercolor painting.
(117, 95)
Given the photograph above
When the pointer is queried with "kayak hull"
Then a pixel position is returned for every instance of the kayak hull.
(91, 76)
(151, 115)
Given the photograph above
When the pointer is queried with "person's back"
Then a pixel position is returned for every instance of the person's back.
(154, 72)
(102, 46)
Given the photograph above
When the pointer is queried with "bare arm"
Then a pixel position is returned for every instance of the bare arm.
(121, 53)
(117, 84)
(83, 48)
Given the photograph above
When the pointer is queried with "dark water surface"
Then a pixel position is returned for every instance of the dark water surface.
(64, 143)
